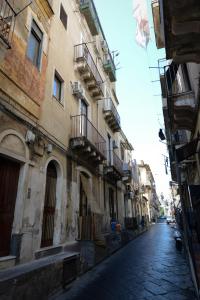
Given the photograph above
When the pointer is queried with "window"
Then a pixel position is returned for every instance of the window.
(122, 152)
(34, 44)
(57, 87)
(63, 16)
(84, 108)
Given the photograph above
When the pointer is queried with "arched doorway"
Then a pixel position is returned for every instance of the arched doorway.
(9, 175)
(49, 206)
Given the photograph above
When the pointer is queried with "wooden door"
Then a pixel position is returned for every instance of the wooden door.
(49, 206)
(9, 176)
(111, 204)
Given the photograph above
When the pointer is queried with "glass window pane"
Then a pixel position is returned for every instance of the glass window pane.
(37, 31)
(33, 49)
(57, 88)
(54, 88)
(63, 16)
(34, 45)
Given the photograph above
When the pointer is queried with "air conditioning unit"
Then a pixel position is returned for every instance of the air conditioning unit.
(115, 145)
(77, 90)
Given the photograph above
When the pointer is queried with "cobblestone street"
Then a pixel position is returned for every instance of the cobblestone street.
(148, 268)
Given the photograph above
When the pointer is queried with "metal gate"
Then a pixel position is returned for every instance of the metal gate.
(9, 175)
(49, 206)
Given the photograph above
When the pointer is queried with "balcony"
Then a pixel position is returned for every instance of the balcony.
(86, 142)
(88, 9)
(180, 137)
(179, 101)
(109, 67)
(182, 34)
(184, 110)
(127, 173)
(88, 70)
(114, 169)
(7, 22)
(111, 115)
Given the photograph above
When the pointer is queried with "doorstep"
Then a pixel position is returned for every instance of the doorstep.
(7, 262)
(47, 251)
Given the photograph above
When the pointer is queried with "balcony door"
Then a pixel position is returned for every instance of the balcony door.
(112, 204)
(109, 156)
(84, 115)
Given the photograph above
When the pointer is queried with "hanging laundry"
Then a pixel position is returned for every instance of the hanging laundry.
(142, 24)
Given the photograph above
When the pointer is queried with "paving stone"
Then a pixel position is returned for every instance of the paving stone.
(154, 288)
(148, 268)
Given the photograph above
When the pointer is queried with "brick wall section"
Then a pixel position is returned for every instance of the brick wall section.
(20, 70)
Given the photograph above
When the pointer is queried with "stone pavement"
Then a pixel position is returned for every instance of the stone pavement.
(148, 268)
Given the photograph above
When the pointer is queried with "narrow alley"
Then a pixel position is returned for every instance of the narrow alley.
(148, 268)
(99, 143)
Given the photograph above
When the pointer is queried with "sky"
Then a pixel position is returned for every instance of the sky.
(140, 99)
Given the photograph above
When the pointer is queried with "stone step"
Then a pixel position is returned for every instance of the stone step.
(73, 246)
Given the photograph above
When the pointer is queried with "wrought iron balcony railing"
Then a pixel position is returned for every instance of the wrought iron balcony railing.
(82, 128)
(178, 98)
(109, 67)
(127, 173)
(117, 163)
(7, 22)
(180, 137)
(111, 114)
(113, 160)
(174, 78)
(86, 63)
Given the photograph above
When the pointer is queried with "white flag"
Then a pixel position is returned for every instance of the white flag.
(142, 24)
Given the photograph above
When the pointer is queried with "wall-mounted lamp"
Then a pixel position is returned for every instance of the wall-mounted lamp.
(49, 148)
(30, 137)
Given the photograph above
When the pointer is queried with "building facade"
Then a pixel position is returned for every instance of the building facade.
(66, 165)
(179, 77)
(150, 206)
